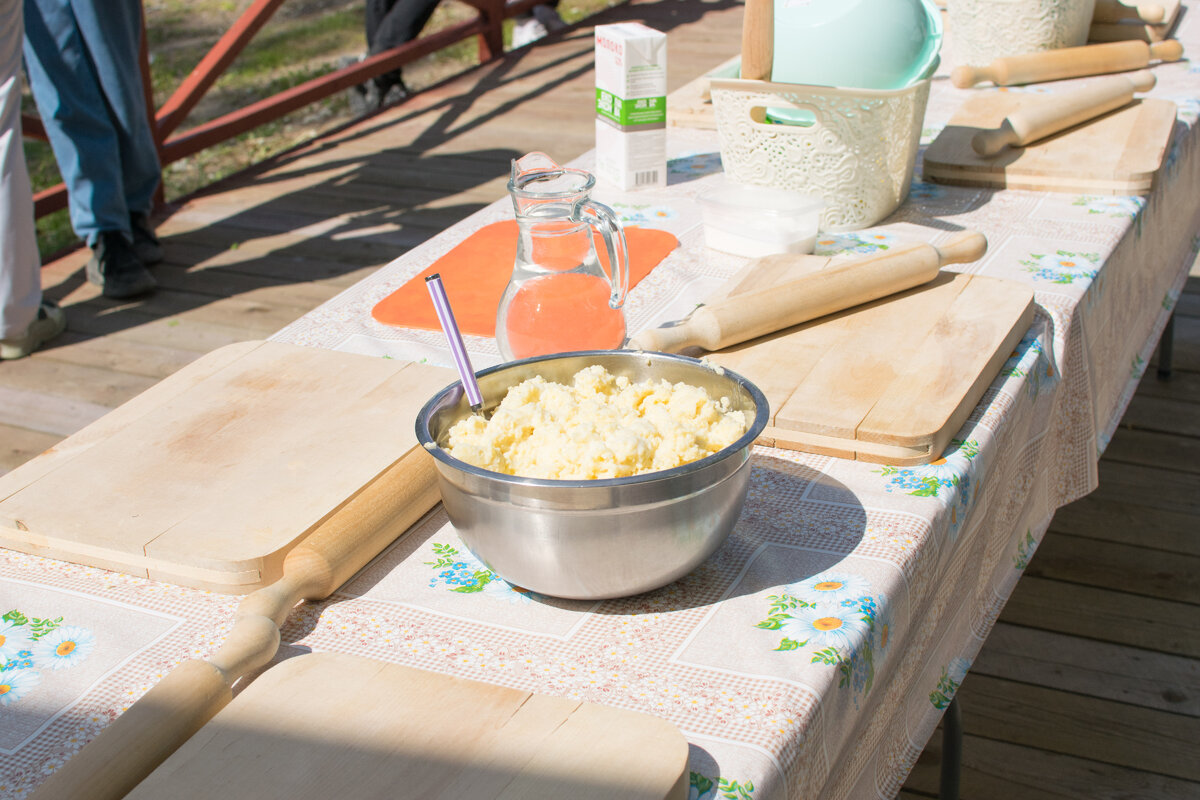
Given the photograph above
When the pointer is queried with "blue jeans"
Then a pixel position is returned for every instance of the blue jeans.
(82, 61)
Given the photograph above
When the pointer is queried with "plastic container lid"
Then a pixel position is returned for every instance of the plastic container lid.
(760, 220)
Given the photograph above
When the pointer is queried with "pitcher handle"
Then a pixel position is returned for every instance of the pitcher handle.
(605, 220)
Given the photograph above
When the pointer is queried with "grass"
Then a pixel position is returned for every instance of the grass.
(303, 40)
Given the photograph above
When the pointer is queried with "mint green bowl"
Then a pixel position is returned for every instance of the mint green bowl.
(855, 44)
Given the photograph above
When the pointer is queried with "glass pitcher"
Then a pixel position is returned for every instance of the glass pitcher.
(559, 297)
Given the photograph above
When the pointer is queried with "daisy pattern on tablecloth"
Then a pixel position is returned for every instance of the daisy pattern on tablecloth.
(834, 618)
(64, 647)
(1115, 207)
(13, 639)
(643, 214)
(830, 587)
(949, 479)
(826, 625)
(862, 243)
(16, 683)
(1062, 266)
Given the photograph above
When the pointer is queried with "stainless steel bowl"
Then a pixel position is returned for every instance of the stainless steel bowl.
(593, 539)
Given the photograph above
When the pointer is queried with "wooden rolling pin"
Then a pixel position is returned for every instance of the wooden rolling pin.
(1060, 111)
(758, 39)
(1116, 11)
(155, 726)
(1069, 62)
(752, 314)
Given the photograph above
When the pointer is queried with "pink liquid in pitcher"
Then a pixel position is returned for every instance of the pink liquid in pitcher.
(560, 313)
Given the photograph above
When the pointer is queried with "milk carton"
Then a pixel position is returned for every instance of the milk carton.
(631, 106)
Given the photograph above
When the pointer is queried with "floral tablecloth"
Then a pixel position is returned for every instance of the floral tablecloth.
(814, 653)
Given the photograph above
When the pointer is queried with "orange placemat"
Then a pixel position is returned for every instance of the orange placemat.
(476, 271)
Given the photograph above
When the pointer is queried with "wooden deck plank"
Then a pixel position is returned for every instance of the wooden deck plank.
(1156, 625)
(1121, 567)
(1095, 669)
(1083, 727)
(998, 770)
(1102, 517)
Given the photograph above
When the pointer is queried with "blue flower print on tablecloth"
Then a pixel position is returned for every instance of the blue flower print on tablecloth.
(1115, 207)
(30, 646)
(833, 618)
(920, 191)
(646, 214)
(947, 685)
(1033, 363)
(947, 479)
(462, 572)
(702, 787)
(863, 243)
(694, 165)
(1062, 266)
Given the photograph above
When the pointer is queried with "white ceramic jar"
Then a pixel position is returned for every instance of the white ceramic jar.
(980, 31)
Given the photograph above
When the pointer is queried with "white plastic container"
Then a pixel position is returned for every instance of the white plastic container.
(757, 221)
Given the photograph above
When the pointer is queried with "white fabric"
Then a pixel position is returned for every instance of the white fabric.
(20, 273)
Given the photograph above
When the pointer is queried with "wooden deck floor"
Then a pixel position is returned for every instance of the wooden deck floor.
(1089, 687)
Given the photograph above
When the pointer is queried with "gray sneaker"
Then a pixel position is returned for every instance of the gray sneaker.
(115, 267)
(50, 322)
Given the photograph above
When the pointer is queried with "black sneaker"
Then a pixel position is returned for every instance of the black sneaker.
(115, 267)
(145, 242)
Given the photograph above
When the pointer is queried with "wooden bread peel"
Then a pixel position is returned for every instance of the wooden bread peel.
(1068, 62)
(1119, 152)
(888, 381)
(334, 725)
(1115, 11)
(1062, 110)
(757, 313)
(1113, 21)
(182, 702)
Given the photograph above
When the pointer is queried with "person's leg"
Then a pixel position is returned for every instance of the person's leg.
(25, 321)
(112, 34)
(73, 110)
(402, 23)
(20, 272)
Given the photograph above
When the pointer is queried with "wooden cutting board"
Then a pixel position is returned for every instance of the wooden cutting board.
(1118, 153)
(209, 477)
(334, 725)
(1135, 29)
(888, 382)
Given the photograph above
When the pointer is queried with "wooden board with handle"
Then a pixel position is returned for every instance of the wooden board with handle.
(334, 725)
(1117, 153)
(209, 478)
(890, 381)
(1118, 22)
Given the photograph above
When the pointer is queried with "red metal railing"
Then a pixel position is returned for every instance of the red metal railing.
(487, 27)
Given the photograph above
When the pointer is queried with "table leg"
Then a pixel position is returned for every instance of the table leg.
(1166, 348)
(951, 752)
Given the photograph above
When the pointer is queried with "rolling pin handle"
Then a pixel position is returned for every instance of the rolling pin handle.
(962, 248)
(1168, 50)
(991, 142)
(1151, 14)
(1143, 80)
(966, 76)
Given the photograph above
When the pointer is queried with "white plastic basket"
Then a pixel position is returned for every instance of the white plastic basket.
(858, 154)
